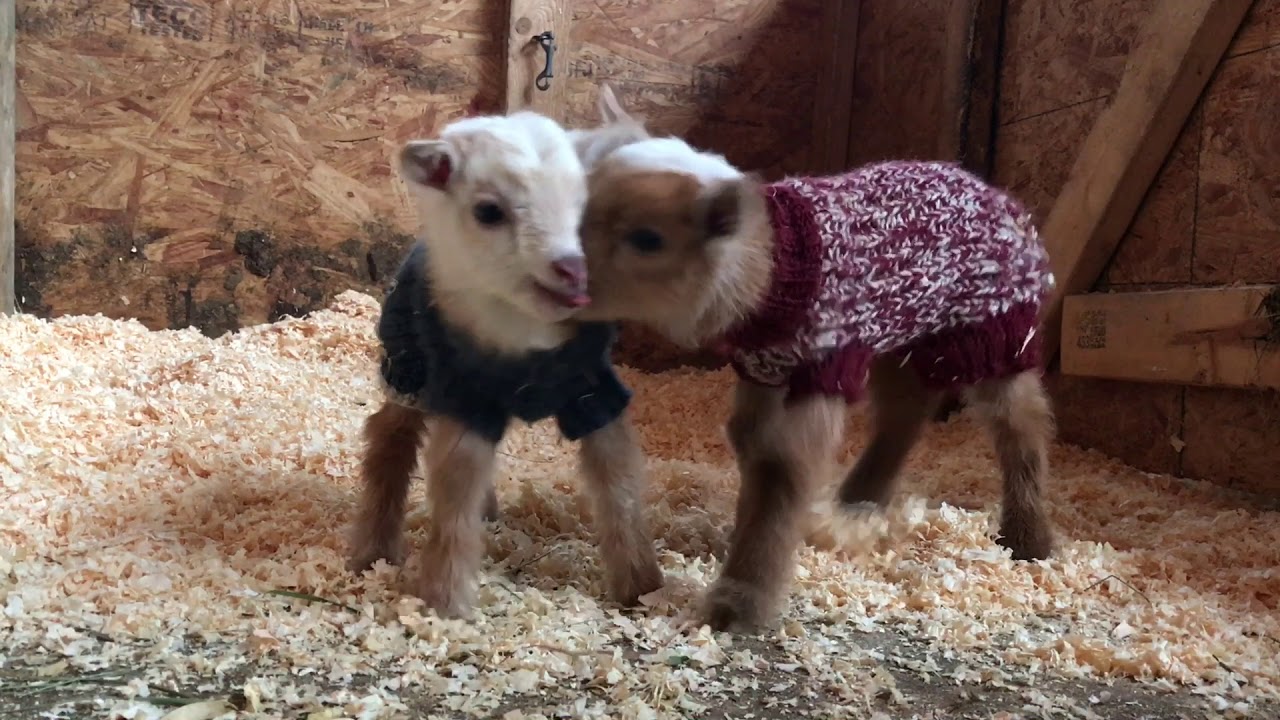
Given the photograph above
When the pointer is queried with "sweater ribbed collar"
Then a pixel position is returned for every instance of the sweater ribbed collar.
(793, 280)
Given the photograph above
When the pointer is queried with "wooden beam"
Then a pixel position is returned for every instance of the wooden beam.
(957, 74)
(1220, 337)
(834, 105)
(526, 58)
(1177, 50)
(970, 90)
(976, 125)
(8, 131)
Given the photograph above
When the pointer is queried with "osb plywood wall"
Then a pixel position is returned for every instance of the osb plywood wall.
(1211, 218)
(923, 81)
(219, 163)
(737, 76)
(222, 163)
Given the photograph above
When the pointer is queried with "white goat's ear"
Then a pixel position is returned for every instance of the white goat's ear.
(429, 163)
(611, 111)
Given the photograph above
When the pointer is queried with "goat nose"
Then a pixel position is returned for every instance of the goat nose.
(571, 270)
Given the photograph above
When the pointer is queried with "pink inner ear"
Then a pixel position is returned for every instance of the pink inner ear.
(438, 172)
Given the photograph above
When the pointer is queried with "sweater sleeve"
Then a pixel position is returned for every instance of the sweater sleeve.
(405, 365)
(599, 397)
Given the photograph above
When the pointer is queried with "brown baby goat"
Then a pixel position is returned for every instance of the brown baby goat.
(907, 278)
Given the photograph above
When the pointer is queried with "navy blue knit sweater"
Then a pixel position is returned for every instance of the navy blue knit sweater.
(444, 372)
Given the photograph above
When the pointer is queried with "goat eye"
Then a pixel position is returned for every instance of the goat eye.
(488, 214)
(644, 240)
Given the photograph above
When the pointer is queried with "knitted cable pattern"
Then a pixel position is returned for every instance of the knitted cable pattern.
(921, 260)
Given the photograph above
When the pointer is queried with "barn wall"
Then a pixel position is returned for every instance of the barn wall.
(1212, 217)
(219, 163)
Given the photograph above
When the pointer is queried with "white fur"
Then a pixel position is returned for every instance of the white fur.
(617, 127)
(671, 154)
(526, 163)
(594, 144)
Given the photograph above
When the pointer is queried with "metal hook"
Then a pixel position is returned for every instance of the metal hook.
(548, 43)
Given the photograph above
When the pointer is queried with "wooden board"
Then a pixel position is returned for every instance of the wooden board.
(527, 58)
(924, 86)
(1219, 337)
(1139, 423)
(899, 88)
(222, 164)
(1261, 29)
(835, 100)
(8, 127)
(1061, 53)
(1178, 48)
(1063, 61)
(741, 78)
(969, 67)
(1161, 240)
(979, 76)
(1238, 203)
(1232, 438)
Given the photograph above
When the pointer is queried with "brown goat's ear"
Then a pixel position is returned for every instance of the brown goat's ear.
(429, 163)
(722, 204)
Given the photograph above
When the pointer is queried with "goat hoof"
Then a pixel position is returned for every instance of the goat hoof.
(640, 581)
(1027, 542)
(491, 511)
(734, 606)
(371, 553)
(443, 591)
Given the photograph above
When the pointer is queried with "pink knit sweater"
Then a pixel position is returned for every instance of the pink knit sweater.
(920, 260)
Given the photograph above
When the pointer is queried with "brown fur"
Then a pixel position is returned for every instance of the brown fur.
(778, 448)
(613, 466)
(393, 436)
(1019, 418)
(459, 467)
(712, 269)
(689, 269)
(900, 405)
(460, 474)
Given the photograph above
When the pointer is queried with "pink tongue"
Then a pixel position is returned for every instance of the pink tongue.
(577, 300)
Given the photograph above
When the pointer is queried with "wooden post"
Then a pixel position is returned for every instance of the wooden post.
(834, 104)
(8, 129)
(971, 70)
(1177, 50)
(1215, 337)
(981, 30)
(527, 57)
(957, 74)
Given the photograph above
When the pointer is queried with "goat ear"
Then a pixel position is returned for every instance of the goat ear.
(611, 111)
(429, 163)
(722, 205)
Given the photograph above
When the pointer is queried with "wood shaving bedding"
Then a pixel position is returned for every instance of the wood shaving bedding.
(159, 486)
